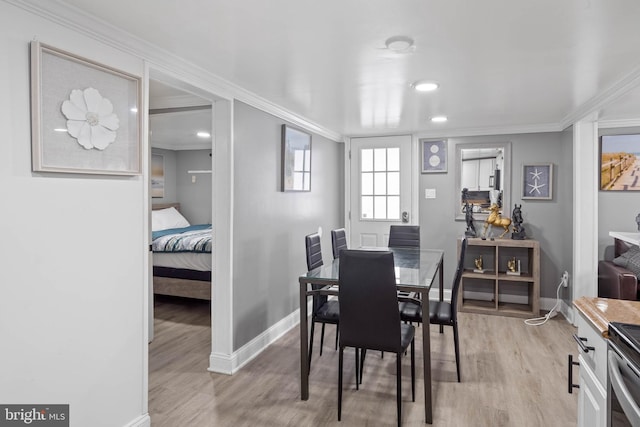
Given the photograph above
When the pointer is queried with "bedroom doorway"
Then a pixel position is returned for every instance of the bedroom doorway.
(180, 128)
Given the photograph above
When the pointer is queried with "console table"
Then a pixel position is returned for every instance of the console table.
(496, 289)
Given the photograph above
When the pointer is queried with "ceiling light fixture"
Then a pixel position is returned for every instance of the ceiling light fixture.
(399, 43)
(203, 134)
(439, 119)
(423, 86)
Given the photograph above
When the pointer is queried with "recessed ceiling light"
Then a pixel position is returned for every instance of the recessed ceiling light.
(203, 134)
(425, 86)
(399, 43)
(59, 130)
(439, 119)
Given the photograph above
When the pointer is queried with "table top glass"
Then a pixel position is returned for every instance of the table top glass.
(415, 268)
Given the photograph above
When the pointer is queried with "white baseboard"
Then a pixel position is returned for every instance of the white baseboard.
(229, 364)
(141, 421)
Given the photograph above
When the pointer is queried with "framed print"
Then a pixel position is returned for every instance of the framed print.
(537, 181)
(296, 159)
(434, 155)
(618, 162)
(157, 175)
(84, 115)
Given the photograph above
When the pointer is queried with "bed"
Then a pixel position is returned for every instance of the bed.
(182, 260)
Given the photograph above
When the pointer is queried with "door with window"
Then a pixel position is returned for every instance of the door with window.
(380, 188)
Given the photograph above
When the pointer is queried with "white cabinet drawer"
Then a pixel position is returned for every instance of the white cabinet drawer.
(594, 349)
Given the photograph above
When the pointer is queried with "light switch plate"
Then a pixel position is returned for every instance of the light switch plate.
(430, 193)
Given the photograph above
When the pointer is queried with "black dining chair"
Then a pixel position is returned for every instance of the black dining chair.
(370, 317)
(404, 236)
(443, 313)
(324, 310)
(338, 241)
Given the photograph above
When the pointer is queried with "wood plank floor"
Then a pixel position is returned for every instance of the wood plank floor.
(512, 375)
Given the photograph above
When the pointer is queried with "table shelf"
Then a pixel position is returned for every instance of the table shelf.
(494, 291)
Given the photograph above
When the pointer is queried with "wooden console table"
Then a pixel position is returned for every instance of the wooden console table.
(495, 291)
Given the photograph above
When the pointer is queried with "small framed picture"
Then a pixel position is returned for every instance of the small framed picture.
(537, 181)
(84, 115)
(296, 159)
(434, 155)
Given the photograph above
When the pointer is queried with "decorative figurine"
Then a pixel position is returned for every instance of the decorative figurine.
(518, 232)
(513, 267)
(468, 214)
(495, 218)
(478, 263)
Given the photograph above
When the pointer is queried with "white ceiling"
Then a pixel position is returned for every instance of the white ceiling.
(501, 64)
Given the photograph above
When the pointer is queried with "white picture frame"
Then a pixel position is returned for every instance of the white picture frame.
(537, 181)
(434, 155)
(85, 116)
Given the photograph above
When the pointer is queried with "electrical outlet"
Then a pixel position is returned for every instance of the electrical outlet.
(565, 279)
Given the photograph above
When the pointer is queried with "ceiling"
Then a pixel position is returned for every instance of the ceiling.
(501, 65)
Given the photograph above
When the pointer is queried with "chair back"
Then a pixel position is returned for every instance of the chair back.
(457, 278)
(369, 315)
(314, 251)
(338, 241)
(314, 260)
(407, 236)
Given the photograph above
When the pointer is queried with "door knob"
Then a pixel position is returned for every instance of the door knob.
(405, 216)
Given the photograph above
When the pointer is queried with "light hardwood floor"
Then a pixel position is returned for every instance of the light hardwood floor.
(512, 375)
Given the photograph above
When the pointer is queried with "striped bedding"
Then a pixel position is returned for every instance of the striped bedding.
(195, 238)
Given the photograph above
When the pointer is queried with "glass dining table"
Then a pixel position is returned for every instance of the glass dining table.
(416, 271)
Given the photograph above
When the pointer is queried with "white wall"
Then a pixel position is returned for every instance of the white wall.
(72, 283)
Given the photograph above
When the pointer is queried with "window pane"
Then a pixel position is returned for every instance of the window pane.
(393, 183)
(298, 162)
(366, 157)
(393, 207)
(307, 181)
(297, 180)
(367, 207)
(366, 180)
(380, 159)
(380, 207)
(380, 185)
(307, 160)
(393, 159)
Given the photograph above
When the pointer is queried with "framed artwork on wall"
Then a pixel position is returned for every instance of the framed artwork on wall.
(619, 169)
(537, 181)
(296, 159)
(84, 115)
(157, 175)
(434, 155)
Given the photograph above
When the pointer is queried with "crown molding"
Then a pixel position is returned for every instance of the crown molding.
(70, 17)
(604, 98)
(491, 130)
(621, 123)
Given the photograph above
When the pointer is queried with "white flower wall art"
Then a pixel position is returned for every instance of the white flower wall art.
(90, 118)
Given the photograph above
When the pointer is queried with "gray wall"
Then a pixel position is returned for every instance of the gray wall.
(627, 206)
(549, 222)
(269, 226)
(194, 198)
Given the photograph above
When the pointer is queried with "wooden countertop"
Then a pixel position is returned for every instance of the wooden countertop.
(601, 311)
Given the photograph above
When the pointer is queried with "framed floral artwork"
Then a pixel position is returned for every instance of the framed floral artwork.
(84, 116)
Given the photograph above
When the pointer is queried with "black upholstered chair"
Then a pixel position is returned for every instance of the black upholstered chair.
(338, 241)
(404, 236)
(441, 312)
(324, 310)
(370, 318)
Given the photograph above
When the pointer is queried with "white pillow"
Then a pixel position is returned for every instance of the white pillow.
(165, 219)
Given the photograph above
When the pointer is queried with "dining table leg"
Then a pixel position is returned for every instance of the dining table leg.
(304, 341)
(426, 367)
(441, 274)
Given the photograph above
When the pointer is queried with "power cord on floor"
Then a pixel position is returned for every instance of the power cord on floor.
(538, 321)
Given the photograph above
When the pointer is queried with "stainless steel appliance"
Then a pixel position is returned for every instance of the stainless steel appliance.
(623, 379)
